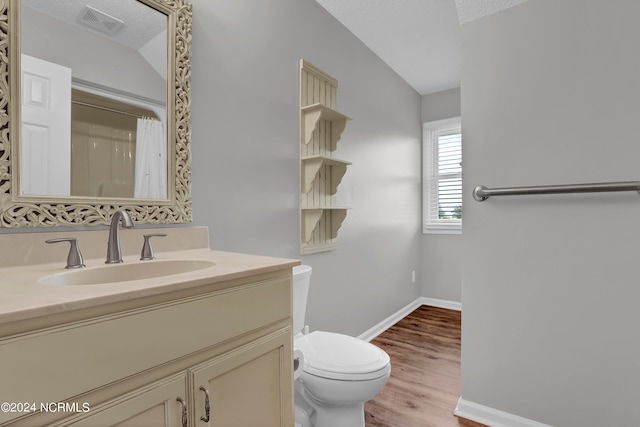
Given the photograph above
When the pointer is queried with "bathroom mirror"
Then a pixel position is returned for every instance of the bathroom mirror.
(90, 87)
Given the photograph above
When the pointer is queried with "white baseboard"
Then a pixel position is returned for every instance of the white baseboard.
(376, 330)
(492, 417)
(442, 303)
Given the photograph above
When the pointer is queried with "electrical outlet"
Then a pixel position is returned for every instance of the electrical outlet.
(413, 276)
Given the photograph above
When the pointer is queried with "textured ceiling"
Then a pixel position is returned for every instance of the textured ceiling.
(141, 23)
(419, 39)
(470, 10)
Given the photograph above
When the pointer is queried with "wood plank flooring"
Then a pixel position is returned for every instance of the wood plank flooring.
(424, 386)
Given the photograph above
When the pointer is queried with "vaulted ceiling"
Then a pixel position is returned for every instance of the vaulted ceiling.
(419, 39)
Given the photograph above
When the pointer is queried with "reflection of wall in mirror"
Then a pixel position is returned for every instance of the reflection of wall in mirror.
(92, 58)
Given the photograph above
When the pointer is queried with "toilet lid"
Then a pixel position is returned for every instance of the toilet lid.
(331, 355)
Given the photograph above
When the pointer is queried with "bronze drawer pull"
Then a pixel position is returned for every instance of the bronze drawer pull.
(185, 420)
(207, 406)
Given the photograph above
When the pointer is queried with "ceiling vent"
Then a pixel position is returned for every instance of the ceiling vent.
(98, 20)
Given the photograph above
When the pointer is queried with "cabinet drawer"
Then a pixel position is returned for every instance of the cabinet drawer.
(72, 359)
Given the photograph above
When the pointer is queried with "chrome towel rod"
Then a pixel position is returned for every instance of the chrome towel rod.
(482, 193)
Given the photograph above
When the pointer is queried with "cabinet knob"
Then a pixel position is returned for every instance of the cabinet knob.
(185, 419)
(207, 406)
(147, 251)
(74, 258)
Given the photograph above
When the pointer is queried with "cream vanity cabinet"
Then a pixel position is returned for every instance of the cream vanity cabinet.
(217, 354)
(154, 405)
(240, 387)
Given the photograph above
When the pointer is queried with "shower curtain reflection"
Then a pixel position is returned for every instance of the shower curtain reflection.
(102, 161)
(151, 160)
(104, 139)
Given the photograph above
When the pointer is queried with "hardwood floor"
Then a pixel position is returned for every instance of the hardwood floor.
(424, 386)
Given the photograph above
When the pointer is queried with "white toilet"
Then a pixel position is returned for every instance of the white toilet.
(337, 373)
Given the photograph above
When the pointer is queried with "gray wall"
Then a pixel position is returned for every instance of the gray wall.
(441, 105)
(550, 289)
(441, 261)
(245, 153)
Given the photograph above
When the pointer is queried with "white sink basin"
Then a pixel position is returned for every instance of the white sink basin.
(125, 272)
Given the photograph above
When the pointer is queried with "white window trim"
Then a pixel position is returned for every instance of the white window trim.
(453, 226)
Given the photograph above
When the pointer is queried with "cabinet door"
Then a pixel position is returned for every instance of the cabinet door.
(247, 387)
(154, 405)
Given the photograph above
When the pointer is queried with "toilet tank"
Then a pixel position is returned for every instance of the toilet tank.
(301, 281)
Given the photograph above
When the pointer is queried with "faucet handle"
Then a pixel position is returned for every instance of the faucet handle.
(147, 251)
(74, 259)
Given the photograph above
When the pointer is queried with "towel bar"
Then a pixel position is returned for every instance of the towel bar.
(482, 193)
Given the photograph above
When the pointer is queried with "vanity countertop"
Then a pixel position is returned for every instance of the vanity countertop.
(23, 297)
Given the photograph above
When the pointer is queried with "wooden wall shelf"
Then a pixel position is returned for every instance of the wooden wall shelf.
(314, 113)
(321, 127)
(334, 216)
(312, 165)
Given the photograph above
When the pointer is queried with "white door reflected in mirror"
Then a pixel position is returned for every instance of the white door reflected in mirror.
(45, 156)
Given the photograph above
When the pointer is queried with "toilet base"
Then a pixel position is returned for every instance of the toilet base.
(339, 416)
(301, 416)
(312, 413)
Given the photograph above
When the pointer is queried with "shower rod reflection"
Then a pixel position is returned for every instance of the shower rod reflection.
(482, 193)
(111, 110)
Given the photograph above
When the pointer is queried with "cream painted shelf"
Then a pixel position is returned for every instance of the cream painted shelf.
(312, 165)
(321, 127)
(313, 114)
(330, 217)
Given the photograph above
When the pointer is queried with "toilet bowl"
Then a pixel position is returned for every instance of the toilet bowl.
(337, 373)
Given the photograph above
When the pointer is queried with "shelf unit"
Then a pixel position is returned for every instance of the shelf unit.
(321, 127)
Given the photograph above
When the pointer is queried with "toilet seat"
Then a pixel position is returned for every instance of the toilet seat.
(341, 357)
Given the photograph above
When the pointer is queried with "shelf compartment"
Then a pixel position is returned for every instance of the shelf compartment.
(312, 217)
(312, 165)
(312, 114)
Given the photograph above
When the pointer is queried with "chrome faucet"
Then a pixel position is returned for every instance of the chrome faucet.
(74, 259)
(114, 253)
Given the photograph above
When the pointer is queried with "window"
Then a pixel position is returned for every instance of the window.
(442, 177)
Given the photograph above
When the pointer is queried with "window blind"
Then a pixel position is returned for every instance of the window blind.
(443, 178)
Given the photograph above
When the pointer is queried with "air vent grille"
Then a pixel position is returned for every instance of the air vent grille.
(98, 20)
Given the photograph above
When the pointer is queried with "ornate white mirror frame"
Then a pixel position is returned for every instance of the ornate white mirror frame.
(43, 211)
